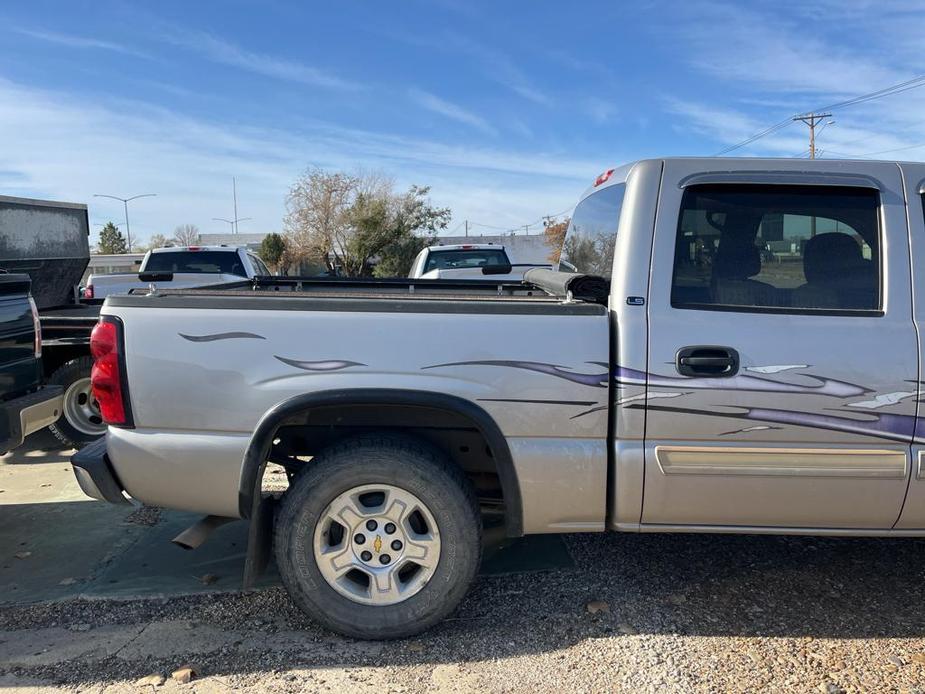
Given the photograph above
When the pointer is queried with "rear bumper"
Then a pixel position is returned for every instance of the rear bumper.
(95, 475)
(28, 414)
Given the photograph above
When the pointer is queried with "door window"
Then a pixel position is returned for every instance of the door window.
(779, 248)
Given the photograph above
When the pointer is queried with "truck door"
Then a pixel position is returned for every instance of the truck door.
(783, 360)
(913, 515)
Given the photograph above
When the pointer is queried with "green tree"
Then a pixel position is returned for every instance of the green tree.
(111, 240)
(371, 228)
(272, 249)
(415, 224)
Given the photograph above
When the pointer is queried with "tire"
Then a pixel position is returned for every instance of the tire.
(373, 462)
(80, 422)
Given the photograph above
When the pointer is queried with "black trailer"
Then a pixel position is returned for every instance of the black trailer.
(50, 241)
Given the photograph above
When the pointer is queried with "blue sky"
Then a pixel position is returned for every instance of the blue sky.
(508, 110)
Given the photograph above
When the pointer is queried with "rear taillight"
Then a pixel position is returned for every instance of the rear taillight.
(108, 375)
(37, 324)
(88, 291)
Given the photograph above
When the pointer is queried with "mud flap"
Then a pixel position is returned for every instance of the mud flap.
(259, 540)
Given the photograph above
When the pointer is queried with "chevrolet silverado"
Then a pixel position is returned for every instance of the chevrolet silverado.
(736, 349)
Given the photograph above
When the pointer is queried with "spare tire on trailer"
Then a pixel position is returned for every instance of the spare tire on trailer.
(80, 422)
(379, 537)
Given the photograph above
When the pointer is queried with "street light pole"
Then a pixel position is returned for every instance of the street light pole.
(125, 202)
(234, 195)
(232, 222)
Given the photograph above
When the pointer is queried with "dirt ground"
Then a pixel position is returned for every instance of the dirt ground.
(94, 599)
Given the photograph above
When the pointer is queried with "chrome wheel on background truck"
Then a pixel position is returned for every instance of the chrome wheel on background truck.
(80, 421)
(379, 537)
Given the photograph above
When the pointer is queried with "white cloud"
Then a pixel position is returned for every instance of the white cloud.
(770, 67)
(72, 41)
(450, 110)
(600, 110)
(70, 147)
(496, 65)
(764, 51)
(226, 53)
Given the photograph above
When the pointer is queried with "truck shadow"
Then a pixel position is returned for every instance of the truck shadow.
(38, 448)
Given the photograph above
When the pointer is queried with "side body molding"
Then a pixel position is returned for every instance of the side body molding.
(259, 448)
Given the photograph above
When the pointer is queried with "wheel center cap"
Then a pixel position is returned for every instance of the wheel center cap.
(378, 542)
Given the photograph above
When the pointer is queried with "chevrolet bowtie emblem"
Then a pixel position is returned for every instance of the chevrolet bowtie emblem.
(377, 544)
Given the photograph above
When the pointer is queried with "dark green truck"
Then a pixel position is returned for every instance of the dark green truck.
(25, 405)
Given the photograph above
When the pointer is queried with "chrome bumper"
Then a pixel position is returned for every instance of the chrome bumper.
(28, 414)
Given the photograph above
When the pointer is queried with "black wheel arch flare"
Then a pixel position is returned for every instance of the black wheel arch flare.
(258, 449)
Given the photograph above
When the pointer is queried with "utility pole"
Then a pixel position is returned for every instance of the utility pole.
(811, 119)
(467, 228)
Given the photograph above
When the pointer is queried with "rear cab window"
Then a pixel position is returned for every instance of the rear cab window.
(464, 258)
(778, 248)
(592, 233)
(206, 262)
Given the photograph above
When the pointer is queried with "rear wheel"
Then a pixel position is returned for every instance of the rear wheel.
(80, 422)
(379, 537)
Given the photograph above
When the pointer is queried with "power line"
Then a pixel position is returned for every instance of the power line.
(515, 229)
(757, 136)
(488, 226)
(883, 151)
(897, 88)
(880, 93)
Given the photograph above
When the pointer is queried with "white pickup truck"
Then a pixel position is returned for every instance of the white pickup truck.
(749, 361)
(470, 261)
(187, 266)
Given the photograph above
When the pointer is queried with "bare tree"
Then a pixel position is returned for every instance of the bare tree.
(186, 235)
(554, 235)
(350, 222)
(316, 222)
(159, 241)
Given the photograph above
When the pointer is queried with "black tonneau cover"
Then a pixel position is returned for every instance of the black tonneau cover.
(400, 295)
(581, 287)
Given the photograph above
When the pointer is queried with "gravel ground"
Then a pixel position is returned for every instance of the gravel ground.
(652, 613)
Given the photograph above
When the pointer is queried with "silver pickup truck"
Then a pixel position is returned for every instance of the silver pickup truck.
(748, 360)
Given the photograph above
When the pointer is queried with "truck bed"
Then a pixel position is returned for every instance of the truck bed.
(537, 365)
(387, 295)
(69, 325)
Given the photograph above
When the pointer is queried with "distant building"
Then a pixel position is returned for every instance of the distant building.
(252, 241)
(105, 264)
